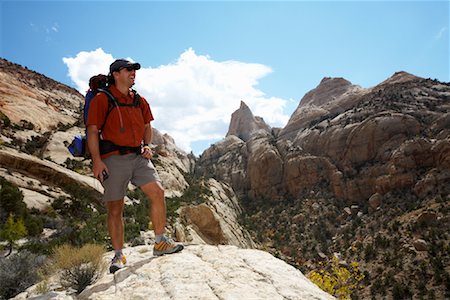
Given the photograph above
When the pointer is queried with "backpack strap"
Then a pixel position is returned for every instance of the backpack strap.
(112, 101)
(108, 146)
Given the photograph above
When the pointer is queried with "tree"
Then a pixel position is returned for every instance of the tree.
(12, 231)
(337, 280)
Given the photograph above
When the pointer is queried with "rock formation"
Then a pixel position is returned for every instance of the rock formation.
(198, 272)
(349, 173)
(243, 124)
(26, 96)
(341, 130)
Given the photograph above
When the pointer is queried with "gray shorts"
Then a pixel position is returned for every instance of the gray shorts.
(124, 169)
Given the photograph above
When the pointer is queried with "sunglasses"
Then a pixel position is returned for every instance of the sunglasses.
(129, 69)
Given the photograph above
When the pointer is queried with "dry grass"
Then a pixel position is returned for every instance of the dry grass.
(79, 267)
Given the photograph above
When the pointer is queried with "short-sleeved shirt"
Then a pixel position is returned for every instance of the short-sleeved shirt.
(125, 125)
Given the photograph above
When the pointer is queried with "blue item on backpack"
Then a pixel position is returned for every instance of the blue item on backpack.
(78, 146)
(87, 102)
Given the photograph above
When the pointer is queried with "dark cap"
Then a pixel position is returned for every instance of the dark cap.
(123, 63)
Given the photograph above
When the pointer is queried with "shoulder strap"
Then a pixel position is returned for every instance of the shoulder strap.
(112, 101)
(136, 99)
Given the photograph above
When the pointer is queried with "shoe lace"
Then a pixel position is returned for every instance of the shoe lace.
(118, 258)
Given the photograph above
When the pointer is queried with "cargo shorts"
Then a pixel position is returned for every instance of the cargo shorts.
(124, 169)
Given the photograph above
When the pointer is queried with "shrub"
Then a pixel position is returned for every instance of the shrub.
(17, 273)
(79, 267)
(337, 280)
(11, 200)
(13, 231)
(401, 291)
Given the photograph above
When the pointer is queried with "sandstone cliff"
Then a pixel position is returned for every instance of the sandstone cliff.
(351, 173)
(340, 131)
(26, 96)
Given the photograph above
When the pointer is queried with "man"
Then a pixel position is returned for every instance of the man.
(118, 142)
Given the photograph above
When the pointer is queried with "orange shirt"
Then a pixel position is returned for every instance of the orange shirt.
(125, 124)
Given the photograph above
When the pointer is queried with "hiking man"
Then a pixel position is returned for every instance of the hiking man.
(118, 139)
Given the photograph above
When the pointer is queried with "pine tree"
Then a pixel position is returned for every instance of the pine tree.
(12, 231)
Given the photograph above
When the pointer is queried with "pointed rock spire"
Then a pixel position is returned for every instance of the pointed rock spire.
(244, 123)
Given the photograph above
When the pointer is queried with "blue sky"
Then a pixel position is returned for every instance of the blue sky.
(200, 59)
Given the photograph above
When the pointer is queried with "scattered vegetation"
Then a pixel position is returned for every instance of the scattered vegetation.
(12, 231)
(195, 194)
(79, 267)
(337, 280)
(18, 272)
(11, 203)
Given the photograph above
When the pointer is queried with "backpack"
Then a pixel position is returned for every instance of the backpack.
(96, 82)
(99, 84)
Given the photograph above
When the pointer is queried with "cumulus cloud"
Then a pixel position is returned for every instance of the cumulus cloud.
(86, 64)
(192, 98)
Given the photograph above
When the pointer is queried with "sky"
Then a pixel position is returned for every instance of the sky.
(200, 59)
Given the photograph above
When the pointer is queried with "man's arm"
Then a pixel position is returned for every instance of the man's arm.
(98, 166)
(146, 151)
(148, 132)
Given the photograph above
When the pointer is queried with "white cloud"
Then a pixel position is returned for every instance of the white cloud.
(86, 64)
(55, 27)
(193, 98)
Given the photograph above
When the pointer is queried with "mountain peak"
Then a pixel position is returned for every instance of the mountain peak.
(399, 77)
(243, 123)
(328, 89)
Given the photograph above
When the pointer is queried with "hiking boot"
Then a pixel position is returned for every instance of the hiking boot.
(166, 246)
(117, 263)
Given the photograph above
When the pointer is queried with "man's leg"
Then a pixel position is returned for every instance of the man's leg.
(115, 223)
(116, 232)
(155, 194)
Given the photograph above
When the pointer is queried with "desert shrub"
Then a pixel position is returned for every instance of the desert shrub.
(36, 145)
(401, 291)
(11, 202)
(4, 121)
(12, 231)
(79, 267)
(74, 165)
(18, 272)
(337, 280)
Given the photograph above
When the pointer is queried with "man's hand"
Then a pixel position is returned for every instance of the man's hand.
(99, 168)
(147, 152)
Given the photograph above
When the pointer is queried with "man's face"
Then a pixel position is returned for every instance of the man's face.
(126, 76)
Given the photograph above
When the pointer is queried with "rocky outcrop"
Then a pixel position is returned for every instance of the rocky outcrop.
(198, 272)
(351, 141)
(28, 96)
(331, 97)
(243, 124)
(216, 221)
(45, 172)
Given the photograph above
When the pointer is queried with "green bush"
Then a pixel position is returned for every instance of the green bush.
(11, 202)
(12, 231)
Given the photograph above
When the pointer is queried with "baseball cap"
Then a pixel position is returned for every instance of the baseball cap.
(123, 63)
